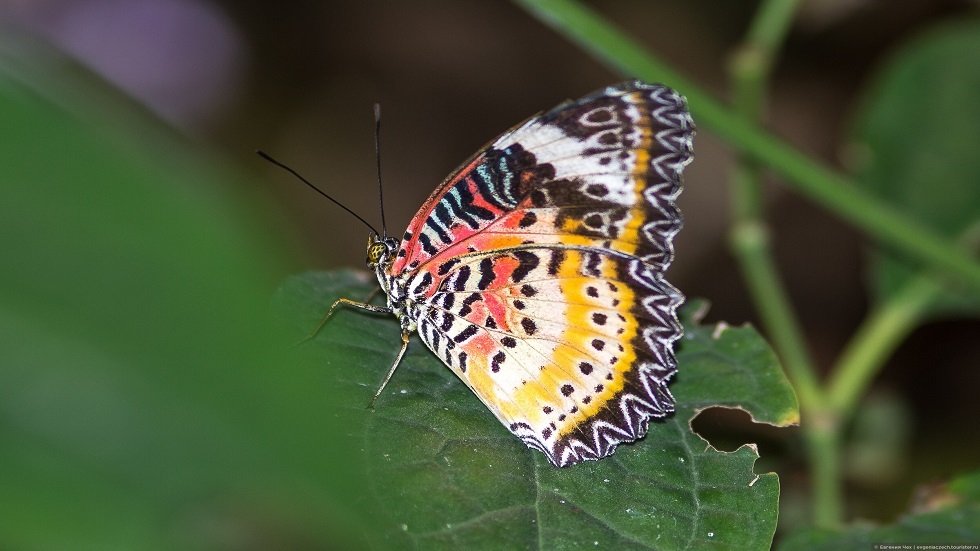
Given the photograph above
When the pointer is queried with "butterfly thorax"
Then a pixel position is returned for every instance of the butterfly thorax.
(380, 257)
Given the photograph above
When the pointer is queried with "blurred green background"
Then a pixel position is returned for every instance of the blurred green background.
(146, 399)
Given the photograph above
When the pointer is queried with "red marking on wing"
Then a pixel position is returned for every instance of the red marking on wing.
(411, 247)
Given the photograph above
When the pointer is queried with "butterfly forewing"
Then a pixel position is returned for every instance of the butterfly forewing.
(535, 272)
(603, 170)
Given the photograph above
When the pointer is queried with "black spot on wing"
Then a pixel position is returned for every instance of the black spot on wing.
(591, 267)
(447, 322)
(526, 262)
(539, 198)
(457, 282)
(424, 283)
(557, 258)
(597, 189)
(465, 209)
(447, 266)
(528, 220)
(439, 220)
(466, 333)
(467, 304)
(426, 244)
(487, 274)
(496, 361)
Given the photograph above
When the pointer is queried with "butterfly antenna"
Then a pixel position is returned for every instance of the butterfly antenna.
(377, 156)
(307, 182)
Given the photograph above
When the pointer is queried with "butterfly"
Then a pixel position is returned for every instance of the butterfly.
(536, 271)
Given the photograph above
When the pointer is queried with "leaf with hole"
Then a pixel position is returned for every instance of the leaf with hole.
(444, 474)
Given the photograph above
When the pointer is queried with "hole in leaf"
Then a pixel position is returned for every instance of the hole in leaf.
(728, 429)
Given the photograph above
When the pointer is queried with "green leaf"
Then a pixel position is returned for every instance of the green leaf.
(944, 514)
(145, 399)
(445, 474)
(917, 136)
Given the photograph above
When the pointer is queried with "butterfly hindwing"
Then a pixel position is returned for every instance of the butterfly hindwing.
(535, 272)
(572, 354)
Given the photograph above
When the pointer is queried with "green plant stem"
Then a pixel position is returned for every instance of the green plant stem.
(875, 340)
(771, 24)
(868, 350)
(823, 441)
(750, 71)
(830, 189)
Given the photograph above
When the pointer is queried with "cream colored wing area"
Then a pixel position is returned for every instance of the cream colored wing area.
(570, 348)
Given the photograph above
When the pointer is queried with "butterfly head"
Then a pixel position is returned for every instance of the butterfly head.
(380, 251)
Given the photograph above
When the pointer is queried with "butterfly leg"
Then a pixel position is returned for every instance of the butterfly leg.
(391, 371)
(346, 302)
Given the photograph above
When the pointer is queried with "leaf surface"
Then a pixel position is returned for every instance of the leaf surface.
(145, 401)
(916, 136)
(945, 514)
(446, 474)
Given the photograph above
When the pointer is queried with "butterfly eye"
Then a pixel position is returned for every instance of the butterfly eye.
(374, 253)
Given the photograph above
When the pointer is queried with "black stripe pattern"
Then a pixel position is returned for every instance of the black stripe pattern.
(588, 231)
